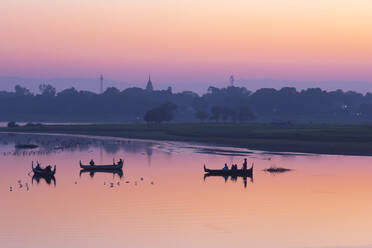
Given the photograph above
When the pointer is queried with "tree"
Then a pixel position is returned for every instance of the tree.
(12, 124)
(21, 91)
(67, 93)
(245, 114)
(201, 115)
(164, 112)
(47, 90)
(216, 113)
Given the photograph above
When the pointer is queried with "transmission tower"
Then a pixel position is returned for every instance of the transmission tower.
(101, 83)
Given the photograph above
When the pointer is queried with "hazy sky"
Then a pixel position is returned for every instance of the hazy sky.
(187, 40)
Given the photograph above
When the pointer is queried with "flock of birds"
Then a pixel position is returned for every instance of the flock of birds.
(111, 184)
(20, 186)
(30, 153)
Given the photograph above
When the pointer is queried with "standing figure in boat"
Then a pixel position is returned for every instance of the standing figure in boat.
(245, 164)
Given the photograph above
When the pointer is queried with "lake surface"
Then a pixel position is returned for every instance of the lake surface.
(325, 201)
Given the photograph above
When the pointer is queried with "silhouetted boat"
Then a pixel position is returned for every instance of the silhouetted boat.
(238, 172)
(233, 174)
(117, 166)
(43, 172)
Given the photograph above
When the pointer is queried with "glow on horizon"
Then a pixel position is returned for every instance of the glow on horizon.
(187, 40)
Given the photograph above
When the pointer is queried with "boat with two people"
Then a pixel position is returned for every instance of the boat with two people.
(47, 171)
(47, 174)
(110, 167)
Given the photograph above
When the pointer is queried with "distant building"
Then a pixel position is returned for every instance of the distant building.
(149, 86)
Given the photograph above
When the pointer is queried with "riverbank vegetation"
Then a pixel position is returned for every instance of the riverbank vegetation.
(320, 139)
(226, 105)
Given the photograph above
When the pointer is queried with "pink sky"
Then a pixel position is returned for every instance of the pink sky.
(187, 41)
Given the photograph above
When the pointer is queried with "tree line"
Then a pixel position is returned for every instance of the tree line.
(230, 104)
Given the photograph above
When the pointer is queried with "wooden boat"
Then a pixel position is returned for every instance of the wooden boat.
(117, 166)
(238, 172)
(43, 172)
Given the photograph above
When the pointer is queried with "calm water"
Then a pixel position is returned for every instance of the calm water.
(326, 201)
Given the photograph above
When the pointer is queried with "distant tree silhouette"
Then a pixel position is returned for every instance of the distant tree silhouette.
(20, 91)
(47, 90)
(245, 114)
(229, 104)
(12, 124)
(201, 115)
(164, 112)
(216, 112)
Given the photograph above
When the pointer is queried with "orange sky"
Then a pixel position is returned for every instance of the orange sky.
(181, 41)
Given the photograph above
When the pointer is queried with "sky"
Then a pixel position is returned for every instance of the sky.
(187, 42)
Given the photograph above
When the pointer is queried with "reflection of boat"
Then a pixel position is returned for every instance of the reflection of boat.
(237, 172)
(48, 179)
(233, 174)
(119, 172)
(117, 166)
(43, 172)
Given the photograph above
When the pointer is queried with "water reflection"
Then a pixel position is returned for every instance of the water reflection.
(233, 178)
(92, 172)
(47, 179)
(324, 202)
(52, 144)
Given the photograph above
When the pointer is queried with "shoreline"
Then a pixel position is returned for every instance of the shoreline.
(315, 139)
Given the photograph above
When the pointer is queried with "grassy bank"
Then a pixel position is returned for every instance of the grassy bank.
(321, 139)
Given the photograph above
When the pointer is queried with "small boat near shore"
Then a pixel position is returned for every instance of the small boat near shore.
(114, 166)
(43, 171)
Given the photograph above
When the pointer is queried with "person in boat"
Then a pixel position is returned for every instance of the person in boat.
(225, 168)
(120, 162)
(91, 162)
(234, 167)
(38, 166)
(245, 164)
(48, 169)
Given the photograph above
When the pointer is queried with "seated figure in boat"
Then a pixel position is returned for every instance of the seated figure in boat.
(226, 168)
(38, 165)
(120, 162)
(234, 167)
(48, 169)
(91, 162)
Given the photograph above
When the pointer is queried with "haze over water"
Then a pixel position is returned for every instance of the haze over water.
(325, 201)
